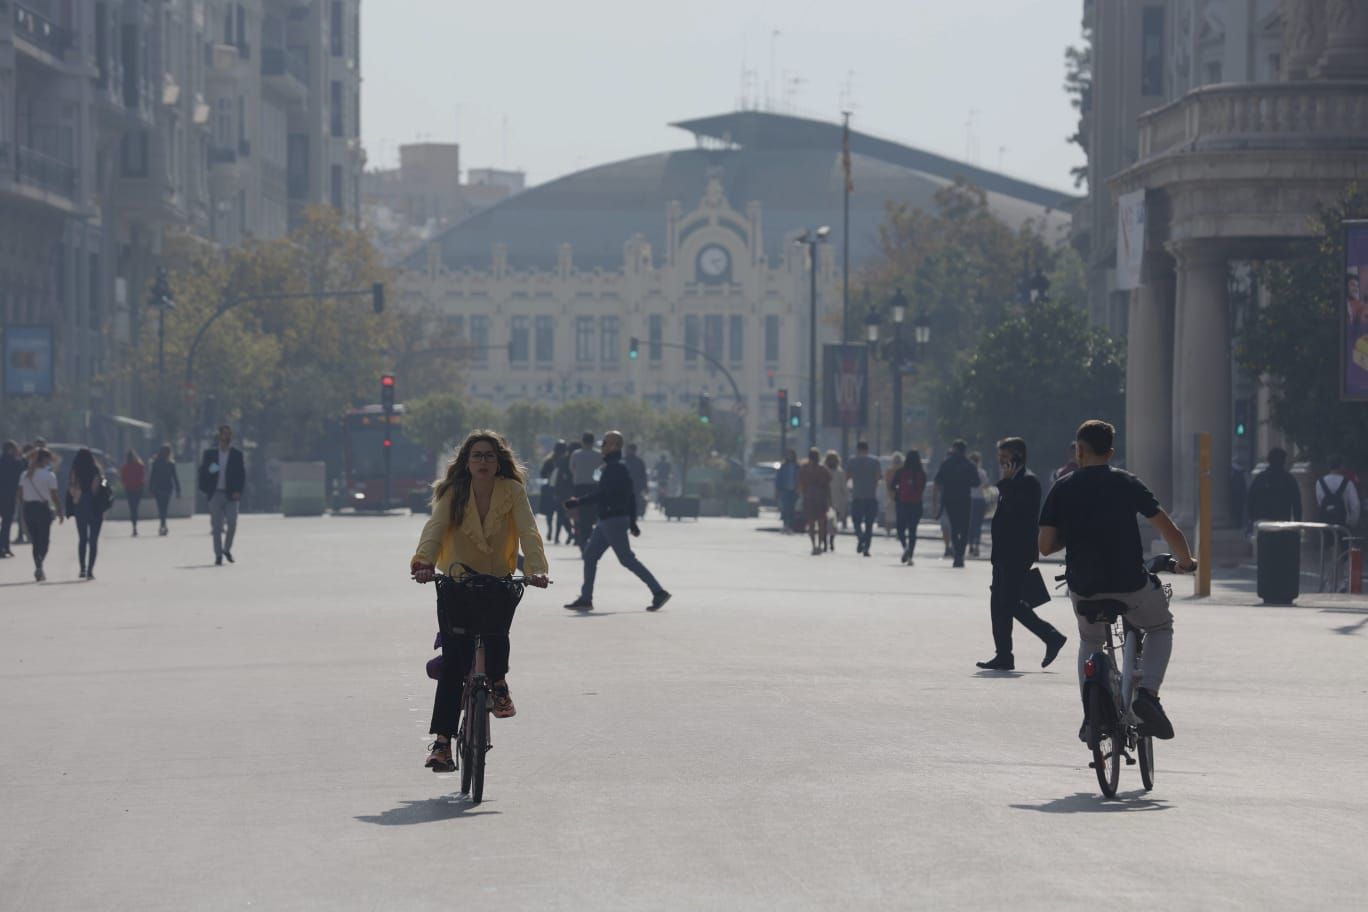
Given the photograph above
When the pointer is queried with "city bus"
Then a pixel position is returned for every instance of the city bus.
(363, 462)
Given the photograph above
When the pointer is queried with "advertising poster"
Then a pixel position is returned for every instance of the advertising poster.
(845, 386)
(1130, 239)
(28, 360)
(1354, 315)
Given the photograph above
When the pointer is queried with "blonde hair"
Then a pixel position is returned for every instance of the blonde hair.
(457, 476)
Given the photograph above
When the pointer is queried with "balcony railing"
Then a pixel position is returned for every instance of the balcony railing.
(280, 62)
(40, 30)
(222, 155)
(1317, 114)
(38, 169)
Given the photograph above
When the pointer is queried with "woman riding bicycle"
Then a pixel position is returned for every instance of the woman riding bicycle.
(480, 516)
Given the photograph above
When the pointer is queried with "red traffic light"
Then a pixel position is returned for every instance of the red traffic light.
(388, 442)
(387, 379)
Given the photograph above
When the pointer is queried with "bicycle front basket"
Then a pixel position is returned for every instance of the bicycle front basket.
(477, 604)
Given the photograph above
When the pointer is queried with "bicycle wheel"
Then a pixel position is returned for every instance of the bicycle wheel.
(479, 741)
(1107, 743)
(1146, 751)
(463, 743)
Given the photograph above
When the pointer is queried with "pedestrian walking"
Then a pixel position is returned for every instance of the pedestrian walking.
(1274, 494)
(481, 516)
(814, 484)
(547, 504)
(133, 475)
(866, 475)
(1069, 466)
(1016, 535)
(584, 462)
(163, 483)
(88, 497)
(955, 479)
(978, 505)
(786, 491)
(615, 499)
(906, 491)
(663, 470)
(38, 489)
(222, 478)
(11, 470)
(840, 497)
(887, 513)
(1337, 499)
(564, 490)
(636, 470)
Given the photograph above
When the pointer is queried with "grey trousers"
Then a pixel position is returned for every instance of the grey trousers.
(223, 512)
(1149, 611)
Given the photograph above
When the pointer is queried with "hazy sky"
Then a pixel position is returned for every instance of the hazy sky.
(551, 87)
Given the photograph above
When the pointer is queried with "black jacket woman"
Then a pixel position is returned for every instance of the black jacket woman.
(163, 482)
(86, 504)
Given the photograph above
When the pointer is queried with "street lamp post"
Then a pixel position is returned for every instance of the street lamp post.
(811, 239)
(897, 307)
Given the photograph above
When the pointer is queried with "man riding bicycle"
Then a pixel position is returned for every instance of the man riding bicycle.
(1091, 513)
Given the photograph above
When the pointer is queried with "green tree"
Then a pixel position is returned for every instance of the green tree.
(1078, 85)
(1291, 342)
(573, 418)
(523, 423)
(436, 422)
(687, 439)
(1038, 375)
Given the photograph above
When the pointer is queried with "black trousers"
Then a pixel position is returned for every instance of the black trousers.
(163, 505)
(585, 516)
(38, 519)
(863, 512)
(457, 654)
(1007, 606)
(88, 537)
(909, 516)
(6, 521)
(134, 499)
(959, 528)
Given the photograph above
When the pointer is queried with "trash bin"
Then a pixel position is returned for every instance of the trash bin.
(1279, 563)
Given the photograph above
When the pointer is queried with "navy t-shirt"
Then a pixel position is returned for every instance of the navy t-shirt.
(1094, 510)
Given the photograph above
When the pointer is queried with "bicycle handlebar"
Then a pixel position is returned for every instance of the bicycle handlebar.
(1166, 563)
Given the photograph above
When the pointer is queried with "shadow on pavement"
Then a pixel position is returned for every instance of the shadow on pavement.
(592, 614)
(428, 810)
(196, 566)
(989, 673)
(1091, 803)
(1351, 629)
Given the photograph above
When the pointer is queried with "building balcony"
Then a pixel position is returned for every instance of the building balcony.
(45, 172)
(1324, 115)
(222, 155)
(286, 72)
(36, 30)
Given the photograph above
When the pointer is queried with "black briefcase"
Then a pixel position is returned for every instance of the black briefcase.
(1033, 589)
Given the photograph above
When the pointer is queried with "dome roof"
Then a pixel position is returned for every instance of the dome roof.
(790, 166)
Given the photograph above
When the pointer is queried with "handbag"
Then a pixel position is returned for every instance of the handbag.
(1034, 592)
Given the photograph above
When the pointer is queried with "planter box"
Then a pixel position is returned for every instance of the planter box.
(303, 489)
(681, 507)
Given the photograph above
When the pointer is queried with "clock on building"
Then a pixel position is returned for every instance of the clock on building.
(714, 263)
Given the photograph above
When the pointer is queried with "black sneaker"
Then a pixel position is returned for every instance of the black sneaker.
(658, 600)
(1052, 650)
(228, 554)
(1084, 732)
(581, 604)
(1151, 714)
(998, 663)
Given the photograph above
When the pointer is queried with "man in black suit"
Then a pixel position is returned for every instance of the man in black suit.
(955, 480)
(222, 477)
(1016, 532)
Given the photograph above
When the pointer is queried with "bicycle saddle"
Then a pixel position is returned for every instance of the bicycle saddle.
(1104, 610)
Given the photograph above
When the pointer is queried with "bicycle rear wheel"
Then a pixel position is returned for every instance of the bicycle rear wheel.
(478, 729)
(1146, 751)
(1106, 742)
(463, 742)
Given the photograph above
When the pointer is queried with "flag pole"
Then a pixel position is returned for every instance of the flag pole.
(845, 266)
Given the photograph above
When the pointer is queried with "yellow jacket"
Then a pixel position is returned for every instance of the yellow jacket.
(489, 547)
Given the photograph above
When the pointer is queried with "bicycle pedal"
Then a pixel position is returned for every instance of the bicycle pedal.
(1130, 761)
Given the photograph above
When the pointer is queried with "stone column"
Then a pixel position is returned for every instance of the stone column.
(1201, 383)
(1148, 434)
(1303, 37)
(1346, 41)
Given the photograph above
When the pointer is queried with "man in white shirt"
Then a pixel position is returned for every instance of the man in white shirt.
(584, 462)
(1337, 499)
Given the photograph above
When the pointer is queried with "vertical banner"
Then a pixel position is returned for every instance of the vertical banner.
(845, 385)
(28, 360)
(1353, 317)
(1130, 239)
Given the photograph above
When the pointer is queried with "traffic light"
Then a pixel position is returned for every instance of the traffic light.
(387, 392)
(705, 408)
(796, 415)
(633, 349)
(1241, 417)
(378, 297)
(783, 408)
(160, 294)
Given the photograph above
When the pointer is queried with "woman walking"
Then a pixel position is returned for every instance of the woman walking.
(163, 483)
(905, 490)
(978, 505)
(814, 482)
(38, 489)
(549, 504)
(133, 475)
(480, 516)
(85, 506)
(840, 497)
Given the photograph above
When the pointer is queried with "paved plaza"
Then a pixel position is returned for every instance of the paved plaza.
(790, 732)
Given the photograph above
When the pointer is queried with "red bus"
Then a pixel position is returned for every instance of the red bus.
(363, 462)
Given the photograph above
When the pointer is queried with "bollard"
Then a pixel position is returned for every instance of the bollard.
(1356, 570)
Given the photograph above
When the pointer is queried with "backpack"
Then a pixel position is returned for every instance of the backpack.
(910, 487)
(1332, 509)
